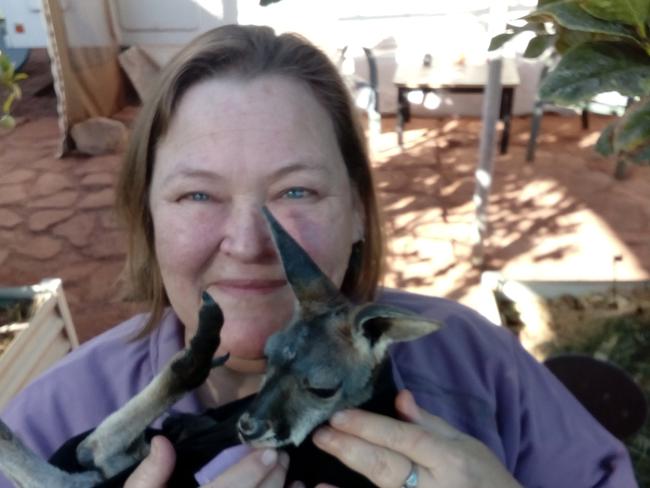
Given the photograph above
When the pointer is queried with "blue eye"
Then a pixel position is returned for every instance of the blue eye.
(198, 196)
(296, 193)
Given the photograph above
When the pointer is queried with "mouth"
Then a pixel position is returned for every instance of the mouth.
(267, 440)
(240, 287)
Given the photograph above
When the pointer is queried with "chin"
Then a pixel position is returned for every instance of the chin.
(246, 365)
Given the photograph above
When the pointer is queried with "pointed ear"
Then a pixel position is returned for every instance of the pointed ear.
(313, 289)
(381, 325)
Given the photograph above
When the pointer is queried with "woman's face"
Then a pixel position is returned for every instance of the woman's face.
(232, 147)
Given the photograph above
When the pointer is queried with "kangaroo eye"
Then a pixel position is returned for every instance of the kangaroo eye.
(324, 392)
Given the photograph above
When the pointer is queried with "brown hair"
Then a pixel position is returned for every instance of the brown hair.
(246, 52)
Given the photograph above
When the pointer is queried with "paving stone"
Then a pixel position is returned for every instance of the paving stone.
(98, 179)
(77, 230)
(40, 247)
(9, 219)
(12, 194)
(99, 164)
(50, 183)
(100, 199)
(62, 199)
(106, 244)
(44, 219)
(108, 220)
(18, 176)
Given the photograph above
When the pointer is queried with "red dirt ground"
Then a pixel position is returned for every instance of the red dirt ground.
(563, 217)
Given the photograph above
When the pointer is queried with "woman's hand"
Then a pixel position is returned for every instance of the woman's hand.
(384, 449)
(260, 469)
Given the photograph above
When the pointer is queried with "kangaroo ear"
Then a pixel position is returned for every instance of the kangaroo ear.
(381, 325)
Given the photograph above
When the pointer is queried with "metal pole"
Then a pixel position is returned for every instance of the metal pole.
(491, 104)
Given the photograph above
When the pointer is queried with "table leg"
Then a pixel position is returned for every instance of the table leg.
(507, 95)
(402, 114)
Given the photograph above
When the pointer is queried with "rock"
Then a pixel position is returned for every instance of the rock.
(111, 244)
(4, 254)
(18, 176)
(100, 199)
(9, 219)
(44, 219)
(12, 194)
(77, 230)
(98, 179)
(40, 247)
(99, 135)
(50, 183)
(60, 200)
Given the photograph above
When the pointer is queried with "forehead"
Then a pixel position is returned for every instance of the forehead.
(264, 121)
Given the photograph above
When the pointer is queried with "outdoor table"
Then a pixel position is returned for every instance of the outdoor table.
(454, 78)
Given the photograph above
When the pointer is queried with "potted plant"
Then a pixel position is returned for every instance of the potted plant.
(9, 90)
(599, 46)
(36, 330)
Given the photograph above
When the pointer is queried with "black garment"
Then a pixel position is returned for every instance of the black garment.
(197, 439)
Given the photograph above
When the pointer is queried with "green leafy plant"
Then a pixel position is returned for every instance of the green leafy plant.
(9, 89)
(602, 46)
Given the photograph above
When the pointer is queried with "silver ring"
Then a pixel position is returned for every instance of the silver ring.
(411, 480)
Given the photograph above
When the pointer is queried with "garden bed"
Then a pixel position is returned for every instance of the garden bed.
(609, 321)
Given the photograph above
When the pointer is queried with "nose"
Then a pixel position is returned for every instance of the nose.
(246, 236)
(251, 428)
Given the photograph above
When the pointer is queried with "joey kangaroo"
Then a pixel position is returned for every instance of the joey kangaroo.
(331, 356)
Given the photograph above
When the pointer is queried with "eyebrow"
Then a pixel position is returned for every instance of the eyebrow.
(274, 176)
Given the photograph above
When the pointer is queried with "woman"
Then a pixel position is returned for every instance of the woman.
(242, 118)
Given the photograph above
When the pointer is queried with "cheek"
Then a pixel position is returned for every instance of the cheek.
(183, 240)
(327, 240)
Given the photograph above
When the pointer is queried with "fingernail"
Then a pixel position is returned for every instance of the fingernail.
(269, 457)
(297, 484)
(339, 418)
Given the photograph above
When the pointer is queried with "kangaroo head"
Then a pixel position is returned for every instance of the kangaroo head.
(325, 360)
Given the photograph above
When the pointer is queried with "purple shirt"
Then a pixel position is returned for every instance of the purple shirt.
(471, 373)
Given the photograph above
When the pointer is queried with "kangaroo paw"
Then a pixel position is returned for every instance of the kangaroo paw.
(192, 367)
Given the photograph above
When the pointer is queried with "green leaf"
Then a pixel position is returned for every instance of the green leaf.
(605, 143)
(6, 106)
(641, 155)
(498, 41)
(633, 131)
(21, 76)
(631, 12)
(596, 67)
(512, 30)
(568, 14)
(538, 45)
(7, 122)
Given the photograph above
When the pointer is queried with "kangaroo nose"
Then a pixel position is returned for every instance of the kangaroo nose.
(251, 428)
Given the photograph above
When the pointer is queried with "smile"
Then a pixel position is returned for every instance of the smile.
(249, 287)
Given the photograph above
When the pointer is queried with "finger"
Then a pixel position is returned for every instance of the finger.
(409, 411)
(275, 479)
(381, 465)
(411, 440)
(250, 472)
(156, 468)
